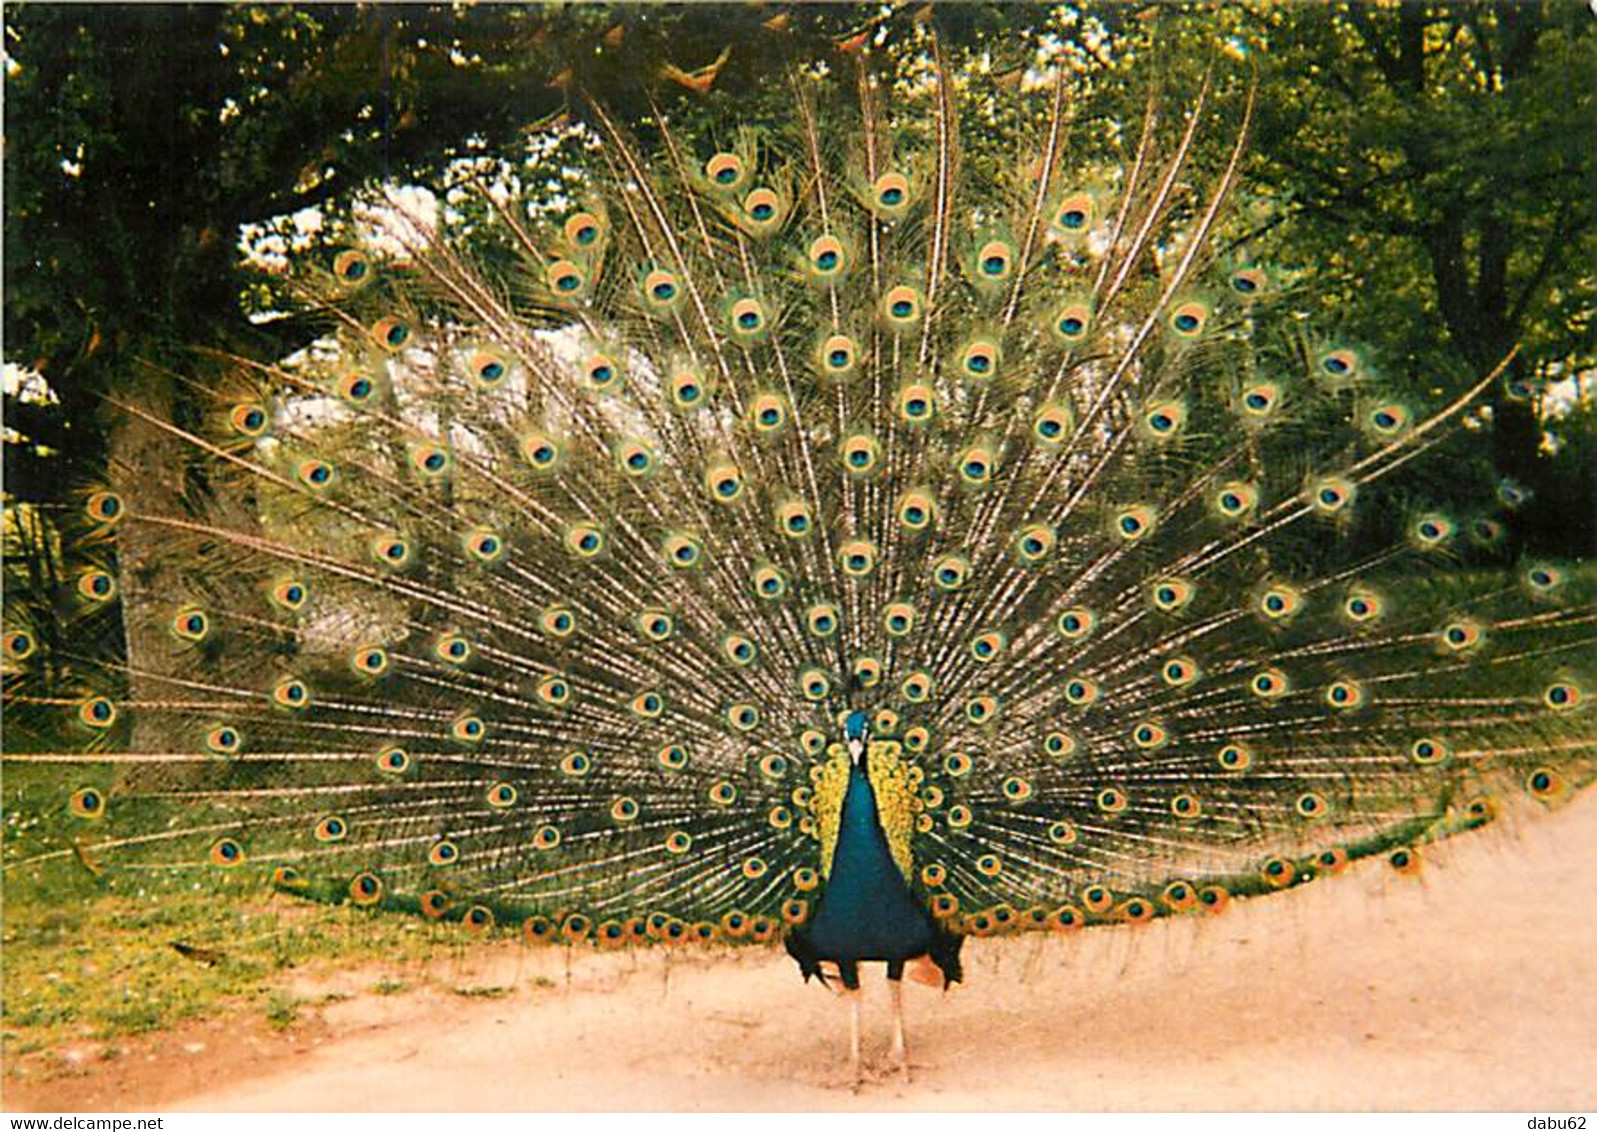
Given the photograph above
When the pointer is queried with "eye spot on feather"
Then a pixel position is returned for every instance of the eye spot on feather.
(743, 717)
(583, 229)
(1259, 402)
(726, 171)
(1236, 500)
(104, 507)
(1234, 757)
(468, 729)
(828, 258)
(1544, 784)
(1188, 319)
(1171, 595)
(857, 558)
(1071, 323)
(648, 705)
(351, 267)
(1270, 684)
(747, 320)
(917, 688)
(20, 644)
(661, 292)
(890, 195)
(814, 685)
(391, 551)
(487, 369)
(357, 389)
(917, 403)
(1563, 695)
(370, 662)
(190, 624)
(1134, 523)
(1076, 624)
(1311, 806)
(87, 803)
(1278, 872)
(1339, 365)
(898, 619)
(770, 583)
(226, 853)
(1248, 282)
(1331, 861)
(1033, 544)
(860, 454)
(1331, 495)
(1097, 899)
(223, 740)
(317, 475)
(951, 572)
(554, 691)
(1430, 531)
(678, 842)
(1164, 420)
(982, 710)
(392, 760)
(980, 359)
(988, 647)
(1060, 745)
(485, 546)
(1386, 420)
(1065, 919)
(249, 420)
(993, 261)
(1150, 735)
(1136, 911)
(97, 585)
(1179, 672)
(1112, 801)
(1072, 216)
(1081, 691)
(1405, 861)
(1179, 896)
(900, 308)
(442, 854)
(391, 333)
(1345, 695)
(291, 694)
(1016, 789)
(602, 373)
(837, 356)
(975, 465)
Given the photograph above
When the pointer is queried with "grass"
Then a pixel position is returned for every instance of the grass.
(87, 957)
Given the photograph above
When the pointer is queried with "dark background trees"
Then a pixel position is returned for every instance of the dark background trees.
(1434, 160)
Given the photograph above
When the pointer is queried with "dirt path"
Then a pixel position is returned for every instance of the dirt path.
(1474, 987)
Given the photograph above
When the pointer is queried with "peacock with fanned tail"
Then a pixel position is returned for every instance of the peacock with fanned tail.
(827, 544)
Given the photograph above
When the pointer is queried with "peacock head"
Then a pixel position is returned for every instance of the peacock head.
(856, 728)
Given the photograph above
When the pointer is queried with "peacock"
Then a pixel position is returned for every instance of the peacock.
(805, 536)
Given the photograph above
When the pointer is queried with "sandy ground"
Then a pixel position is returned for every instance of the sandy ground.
(1472, 987)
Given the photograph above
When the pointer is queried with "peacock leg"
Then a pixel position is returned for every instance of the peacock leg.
(856, 1066)
(900, 1050)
